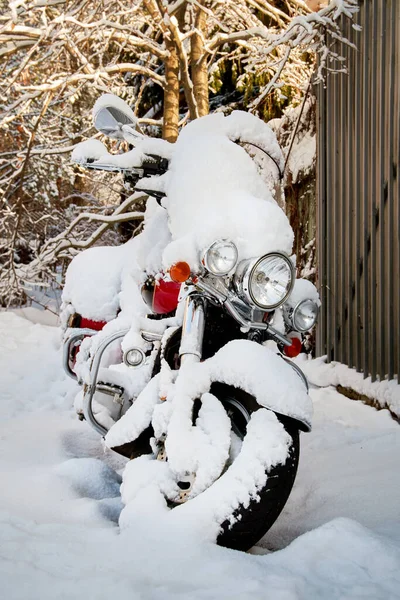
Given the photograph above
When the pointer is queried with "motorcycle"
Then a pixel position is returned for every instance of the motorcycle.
(183, 338)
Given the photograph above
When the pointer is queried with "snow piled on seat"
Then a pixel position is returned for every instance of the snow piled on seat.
(93, 280)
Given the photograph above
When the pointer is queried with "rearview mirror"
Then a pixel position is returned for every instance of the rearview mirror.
(110, 113)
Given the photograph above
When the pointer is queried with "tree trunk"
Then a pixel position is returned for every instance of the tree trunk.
(171, 65)
(199, 65)
(171, 95)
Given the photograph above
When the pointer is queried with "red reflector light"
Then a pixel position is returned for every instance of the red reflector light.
(294, 349)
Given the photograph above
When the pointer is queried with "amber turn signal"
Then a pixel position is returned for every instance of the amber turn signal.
(179, 272)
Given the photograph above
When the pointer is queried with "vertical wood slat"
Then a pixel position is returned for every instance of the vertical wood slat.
(358, 197)
(329, 203)
(365, 188)
(373, 95)
(381, 209)
(342, 159)
(396, 177)
(321, 215)
(334, 295)
(390, 195)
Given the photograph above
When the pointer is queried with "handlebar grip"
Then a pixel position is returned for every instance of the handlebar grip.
(159, 166)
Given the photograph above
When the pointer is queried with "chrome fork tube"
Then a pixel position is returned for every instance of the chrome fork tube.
(191, 346)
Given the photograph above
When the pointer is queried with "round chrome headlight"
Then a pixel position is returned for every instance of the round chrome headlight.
(221, 257)
(266, 282)
(305, 315)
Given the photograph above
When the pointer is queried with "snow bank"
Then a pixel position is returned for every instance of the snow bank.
(26, 349)
(339, 560)
(57, 532)
(385, 393)
(36, 315)
(348, 467)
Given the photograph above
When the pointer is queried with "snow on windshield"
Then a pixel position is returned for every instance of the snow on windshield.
(215, 191)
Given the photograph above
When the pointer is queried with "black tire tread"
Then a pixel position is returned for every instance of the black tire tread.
(252, 522)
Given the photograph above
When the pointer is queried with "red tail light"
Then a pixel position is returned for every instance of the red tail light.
(76, 321)
(90, 324)
(294, 349)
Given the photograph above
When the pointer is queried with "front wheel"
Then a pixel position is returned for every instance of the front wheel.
(251, 522)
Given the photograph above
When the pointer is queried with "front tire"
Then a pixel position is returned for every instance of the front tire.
(253, 521)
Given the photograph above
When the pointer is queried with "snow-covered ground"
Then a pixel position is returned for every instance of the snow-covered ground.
(338, 536)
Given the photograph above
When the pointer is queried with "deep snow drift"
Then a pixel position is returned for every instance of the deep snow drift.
(338, 536)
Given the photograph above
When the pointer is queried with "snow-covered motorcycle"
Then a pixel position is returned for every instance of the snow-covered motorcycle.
(182, 337)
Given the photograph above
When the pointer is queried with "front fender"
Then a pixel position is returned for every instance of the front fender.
(266, 376)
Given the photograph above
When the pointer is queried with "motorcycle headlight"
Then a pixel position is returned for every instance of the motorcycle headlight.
(221, 257)
(304, 315)
(267, 281)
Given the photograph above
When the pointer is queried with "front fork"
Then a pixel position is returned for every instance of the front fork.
(191, 347)
(190, 351)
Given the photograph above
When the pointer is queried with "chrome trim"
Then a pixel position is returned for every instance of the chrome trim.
(73, 337)
(298, 371)
(192, 329)
(234, 312)
(252, 325)
(151, 336)
(239, 407)
(212, 291)
(94, 370)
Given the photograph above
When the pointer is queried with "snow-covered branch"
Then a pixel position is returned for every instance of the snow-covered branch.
(147, 52)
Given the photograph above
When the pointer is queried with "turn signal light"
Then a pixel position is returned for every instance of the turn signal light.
(294, 349)
(179, 272)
